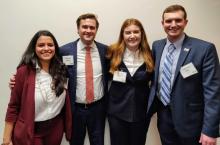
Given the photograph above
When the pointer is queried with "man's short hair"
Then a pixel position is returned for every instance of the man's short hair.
(174, 8)
(87, 16)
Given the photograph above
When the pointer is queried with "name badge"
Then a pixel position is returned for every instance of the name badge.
(119, 76)
(68, 60)
(188, 70)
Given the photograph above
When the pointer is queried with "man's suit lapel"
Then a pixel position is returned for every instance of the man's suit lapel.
(101, 54)
(74, 51)
(182, 57)
(102, 59)
(158, 55)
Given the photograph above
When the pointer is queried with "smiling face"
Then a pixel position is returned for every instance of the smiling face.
(132, 37)
(45, 49)
(87, 30)
(174, 24)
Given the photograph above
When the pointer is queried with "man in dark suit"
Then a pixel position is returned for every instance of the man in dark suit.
(87, 113)
(185, 91)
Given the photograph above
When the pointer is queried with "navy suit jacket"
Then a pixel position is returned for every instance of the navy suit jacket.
(195, 100)
(71, 49)
(128, 101)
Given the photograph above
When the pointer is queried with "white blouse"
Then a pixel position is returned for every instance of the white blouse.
(132, 60)
(47, 105)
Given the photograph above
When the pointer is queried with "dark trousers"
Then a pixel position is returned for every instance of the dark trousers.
(168, 134)
(49, 132)
(92, 118)
(127, 133)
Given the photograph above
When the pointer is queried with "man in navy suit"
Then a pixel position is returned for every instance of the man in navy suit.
(86, 115)
(185, 91)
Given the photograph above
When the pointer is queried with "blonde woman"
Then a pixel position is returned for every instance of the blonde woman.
(131, 67)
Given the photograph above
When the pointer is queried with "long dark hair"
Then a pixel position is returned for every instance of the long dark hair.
(57, 69)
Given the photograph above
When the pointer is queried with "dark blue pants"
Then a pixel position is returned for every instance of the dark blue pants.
(91, 118)
(127, 133)
(166, 129)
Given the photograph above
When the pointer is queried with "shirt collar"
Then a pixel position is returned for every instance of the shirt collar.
(38, 68)
(131, 53)
(82, 46)
(178, 43)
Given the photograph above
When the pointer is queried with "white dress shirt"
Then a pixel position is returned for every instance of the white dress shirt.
(81, 76)
(47, 105)
(132, 60)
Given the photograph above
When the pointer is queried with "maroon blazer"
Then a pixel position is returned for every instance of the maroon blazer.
(21, 108)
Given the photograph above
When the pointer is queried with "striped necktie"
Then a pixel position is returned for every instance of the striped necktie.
(165, 84)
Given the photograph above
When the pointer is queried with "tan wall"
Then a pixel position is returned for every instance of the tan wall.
(20, 19)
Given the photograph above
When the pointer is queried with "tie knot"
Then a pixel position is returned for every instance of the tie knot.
(88, 48)
(171, 48)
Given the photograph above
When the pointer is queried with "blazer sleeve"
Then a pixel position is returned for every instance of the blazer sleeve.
(68, 117)
(154, 59)
(211, 92)
(16, 95)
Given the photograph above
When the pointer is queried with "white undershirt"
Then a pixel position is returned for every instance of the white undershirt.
(97, 73)
(47, 105)
(132, 60)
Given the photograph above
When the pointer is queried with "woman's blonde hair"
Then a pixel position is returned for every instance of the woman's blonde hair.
(116, 51)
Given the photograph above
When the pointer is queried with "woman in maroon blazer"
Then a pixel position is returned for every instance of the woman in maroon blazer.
(39, 110)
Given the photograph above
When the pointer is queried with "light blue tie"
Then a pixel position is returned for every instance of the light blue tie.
(165, 84)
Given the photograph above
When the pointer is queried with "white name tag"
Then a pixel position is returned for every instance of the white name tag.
(68, 60)
(188, 70)
(119, 76)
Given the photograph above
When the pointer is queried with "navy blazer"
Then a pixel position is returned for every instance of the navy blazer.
(71, 49)
(128, 101)
(195, 100)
